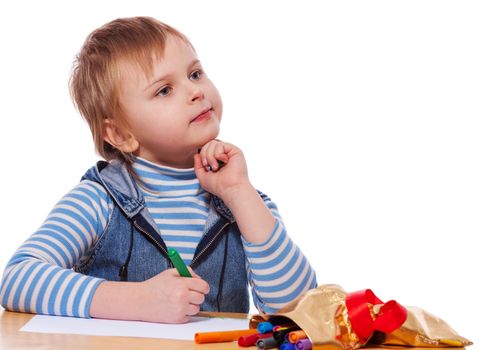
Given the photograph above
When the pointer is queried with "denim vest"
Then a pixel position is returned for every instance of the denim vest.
(131, 248)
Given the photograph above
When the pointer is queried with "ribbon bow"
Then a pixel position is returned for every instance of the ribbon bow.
(389, 318)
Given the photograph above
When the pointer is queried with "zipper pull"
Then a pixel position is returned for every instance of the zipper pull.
(123, 273)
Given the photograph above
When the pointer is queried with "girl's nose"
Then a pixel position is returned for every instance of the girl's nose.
(197, 93)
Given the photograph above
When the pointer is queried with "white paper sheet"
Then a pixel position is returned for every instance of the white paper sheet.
(72, 325)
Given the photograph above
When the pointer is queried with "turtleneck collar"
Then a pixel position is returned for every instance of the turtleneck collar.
(164, 181)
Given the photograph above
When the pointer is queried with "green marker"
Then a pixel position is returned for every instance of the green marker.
(178, 263)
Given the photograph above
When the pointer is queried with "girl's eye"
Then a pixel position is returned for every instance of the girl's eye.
(196, 74)
(164, 91)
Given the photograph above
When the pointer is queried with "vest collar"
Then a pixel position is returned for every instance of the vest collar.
(121, 186)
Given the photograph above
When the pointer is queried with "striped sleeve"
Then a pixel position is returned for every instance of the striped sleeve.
(278, 271)
(39, 277)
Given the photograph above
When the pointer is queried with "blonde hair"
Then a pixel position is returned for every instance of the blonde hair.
(94, 83)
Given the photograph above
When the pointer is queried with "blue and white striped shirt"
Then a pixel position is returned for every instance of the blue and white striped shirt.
(39, 277)
(176, 202)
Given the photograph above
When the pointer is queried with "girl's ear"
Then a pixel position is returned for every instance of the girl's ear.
(119, 138)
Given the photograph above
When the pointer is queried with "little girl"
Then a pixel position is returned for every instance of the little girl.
(167, 182)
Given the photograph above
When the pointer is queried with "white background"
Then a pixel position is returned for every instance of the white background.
(367, 122)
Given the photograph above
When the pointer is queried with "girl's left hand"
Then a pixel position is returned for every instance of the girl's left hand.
(226, 180)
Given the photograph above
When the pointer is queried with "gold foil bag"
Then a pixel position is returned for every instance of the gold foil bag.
(423, 329)
(323, 315)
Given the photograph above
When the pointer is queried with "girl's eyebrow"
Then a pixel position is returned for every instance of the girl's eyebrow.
(165, 76)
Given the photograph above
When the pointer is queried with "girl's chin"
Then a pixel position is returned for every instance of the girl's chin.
(210, 135)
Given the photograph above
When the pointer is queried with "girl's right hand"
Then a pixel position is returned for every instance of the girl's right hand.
(170, 298)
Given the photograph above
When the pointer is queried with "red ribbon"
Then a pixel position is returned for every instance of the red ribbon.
(390, 317)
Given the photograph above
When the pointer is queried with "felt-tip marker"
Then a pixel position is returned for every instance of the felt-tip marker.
(266, 343)
(178, 263)
(224, 336)
(303, 344)
(209, 167)
(220, 164)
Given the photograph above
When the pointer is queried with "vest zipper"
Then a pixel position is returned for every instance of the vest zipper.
(151, 238)
(165, 251)
(209, 244)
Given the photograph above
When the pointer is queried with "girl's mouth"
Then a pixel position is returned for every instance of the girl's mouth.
(203, 116)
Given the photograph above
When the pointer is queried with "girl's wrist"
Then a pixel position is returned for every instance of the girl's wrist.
(117, 300)
(252, 215)
(238, 194)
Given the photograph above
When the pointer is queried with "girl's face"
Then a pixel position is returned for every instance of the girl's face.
(174, 112)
